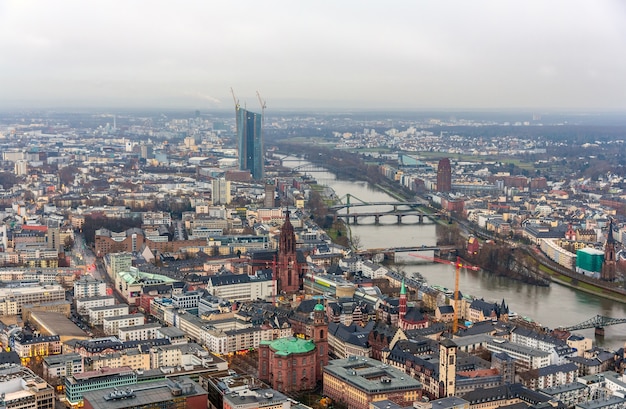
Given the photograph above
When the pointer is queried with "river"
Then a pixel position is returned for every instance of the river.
(552, 306)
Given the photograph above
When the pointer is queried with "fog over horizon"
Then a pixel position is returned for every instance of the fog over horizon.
(449, 55)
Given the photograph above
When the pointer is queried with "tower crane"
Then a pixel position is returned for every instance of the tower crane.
(235, 100)
(457, 265)
(263, 106)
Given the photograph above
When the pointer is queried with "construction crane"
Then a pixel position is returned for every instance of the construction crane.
(457, 265)
(235, 100)
(263, 106)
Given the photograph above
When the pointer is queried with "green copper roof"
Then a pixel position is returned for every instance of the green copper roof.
(292, 345)
(403, 288)
(318, 307)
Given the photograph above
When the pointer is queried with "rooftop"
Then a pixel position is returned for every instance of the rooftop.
(370, 375)
(291, 345)
(144, 394)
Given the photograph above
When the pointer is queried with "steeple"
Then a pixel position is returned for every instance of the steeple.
(609, 237)
(609, 265)
(289, 277)
(402, 306)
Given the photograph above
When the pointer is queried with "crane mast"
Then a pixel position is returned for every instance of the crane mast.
(457, 273)
(263, 106)
(235, 99)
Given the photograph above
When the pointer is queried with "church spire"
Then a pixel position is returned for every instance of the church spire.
(609, 238)
(403, 288)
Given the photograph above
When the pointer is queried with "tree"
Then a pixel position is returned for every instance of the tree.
(68, 243)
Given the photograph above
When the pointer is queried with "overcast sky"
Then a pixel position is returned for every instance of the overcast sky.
(346, 54)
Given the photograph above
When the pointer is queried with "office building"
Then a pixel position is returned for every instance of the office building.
(444, 176)
(14, 295)
(111, 325)
(20, 388)
(103, 378)
(270, 189)
(356, 382)
(250, 138)
(220, 189)
(180, 393)
(88, 286)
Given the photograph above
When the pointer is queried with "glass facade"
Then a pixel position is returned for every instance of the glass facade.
(249, 134)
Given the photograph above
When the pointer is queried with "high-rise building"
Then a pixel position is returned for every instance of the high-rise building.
(21, 167)
(444, 176)
(269, 194)
(250, 137)
(220, 191)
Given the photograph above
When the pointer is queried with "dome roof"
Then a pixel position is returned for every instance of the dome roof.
(292, 345)
(318, 307)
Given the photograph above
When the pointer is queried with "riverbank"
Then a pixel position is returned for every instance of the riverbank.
(589, 288)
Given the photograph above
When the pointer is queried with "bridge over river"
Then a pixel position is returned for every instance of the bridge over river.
(598, 322)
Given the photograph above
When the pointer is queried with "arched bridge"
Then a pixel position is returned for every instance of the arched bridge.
(399, 214)
(598, 322)
(395, 205)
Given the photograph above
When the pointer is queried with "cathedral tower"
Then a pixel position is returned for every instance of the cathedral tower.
(288, 280)
(609, 265)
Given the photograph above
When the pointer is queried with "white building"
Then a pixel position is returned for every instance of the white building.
(61, 366)
(88, 286)
(83, 305)
(241, 287)
(220, 190)
(13, 297)
(21, 388)
(156, 218)
(138, 332)
(373, 270)
(187, 300)
(112, 325)
(98, 314)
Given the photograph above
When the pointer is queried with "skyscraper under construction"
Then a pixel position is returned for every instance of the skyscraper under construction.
(250, 138)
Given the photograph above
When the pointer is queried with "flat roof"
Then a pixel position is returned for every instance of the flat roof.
(106, 371)
(144, 394)
(123, 317)
(140, 327)
(109, 307)
(11, 291)
(57, 324)
(370, 375)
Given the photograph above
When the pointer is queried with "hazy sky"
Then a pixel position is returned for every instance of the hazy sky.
(358, 54)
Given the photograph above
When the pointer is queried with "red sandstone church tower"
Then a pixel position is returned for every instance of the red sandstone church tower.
(288, 278)
(609, 265)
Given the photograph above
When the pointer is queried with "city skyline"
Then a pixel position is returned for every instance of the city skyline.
(330, 55)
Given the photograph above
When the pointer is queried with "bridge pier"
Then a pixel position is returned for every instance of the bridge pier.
(421, 219)
(599, 332)
(376, 219)
(399, 217)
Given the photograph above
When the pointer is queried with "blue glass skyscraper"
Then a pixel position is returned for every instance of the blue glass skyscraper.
(249, 134)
